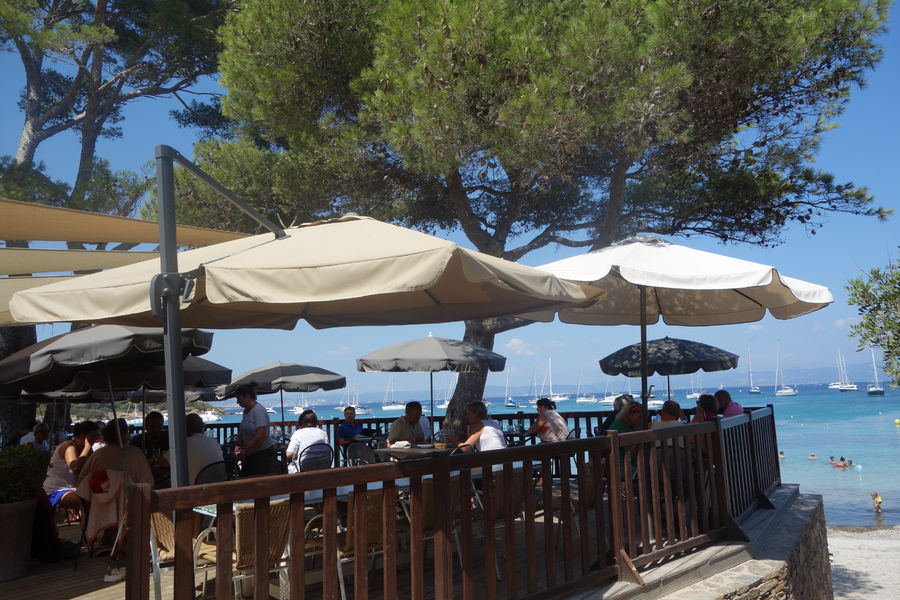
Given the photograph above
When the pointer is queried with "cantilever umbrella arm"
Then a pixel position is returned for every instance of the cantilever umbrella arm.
(169, 286)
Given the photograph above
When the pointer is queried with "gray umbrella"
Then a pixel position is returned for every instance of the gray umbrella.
(432, 354)
(668, 356)
(285, 377)
(51, 364)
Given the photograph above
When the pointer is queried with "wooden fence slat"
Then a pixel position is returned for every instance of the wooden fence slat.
(488, 501)
(416, 544)
(261, 518)
(643, 493)
(297, 548)
(389, 537)
(360, 510)
(466, 550)
(137, 571)
(329, 544)
(184, 564)
(509, 530)
(549, 539)
(565, 482)
(224, 547)
(528, 491)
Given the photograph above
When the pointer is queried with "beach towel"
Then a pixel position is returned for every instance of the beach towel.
(104, 490)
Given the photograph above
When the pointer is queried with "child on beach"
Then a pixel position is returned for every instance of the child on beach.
(876, 502)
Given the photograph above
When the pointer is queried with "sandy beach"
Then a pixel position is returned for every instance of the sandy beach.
(866, 562)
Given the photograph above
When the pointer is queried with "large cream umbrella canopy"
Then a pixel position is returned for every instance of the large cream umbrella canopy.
(347, 271)
(646, 278)
(684, 286)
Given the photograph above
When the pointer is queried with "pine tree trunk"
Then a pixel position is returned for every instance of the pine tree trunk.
(470, 386)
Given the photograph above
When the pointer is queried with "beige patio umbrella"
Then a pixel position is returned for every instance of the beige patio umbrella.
(347, 271)
(647, 278)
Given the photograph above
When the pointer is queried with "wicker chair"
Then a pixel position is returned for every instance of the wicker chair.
(244, 558)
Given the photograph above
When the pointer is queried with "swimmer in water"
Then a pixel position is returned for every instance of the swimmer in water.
(840, 464)
(876, 502)
(781, 454)
(812, 456)
(831, 461)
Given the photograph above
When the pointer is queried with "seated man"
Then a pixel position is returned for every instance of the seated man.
(39, 438)
(349, 429)
(202, 450)
(307, 434)
(727, 406)
(408, 428)
(154, 443)
(669, 416)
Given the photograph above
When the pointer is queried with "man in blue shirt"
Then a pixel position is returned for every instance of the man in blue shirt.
(349, 429)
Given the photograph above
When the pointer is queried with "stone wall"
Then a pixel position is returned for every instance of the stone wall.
(804, 575)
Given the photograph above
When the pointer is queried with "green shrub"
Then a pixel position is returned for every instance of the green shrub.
(22, 470)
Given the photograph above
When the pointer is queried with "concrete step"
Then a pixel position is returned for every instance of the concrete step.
(695, 570)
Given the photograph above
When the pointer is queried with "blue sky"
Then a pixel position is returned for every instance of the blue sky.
(863, 149)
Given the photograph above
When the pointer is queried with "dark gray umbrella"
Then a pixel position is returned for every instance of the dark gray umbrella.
(668, 356)
(51, 364)
(198, 372)
(429, 355)
(285, 377)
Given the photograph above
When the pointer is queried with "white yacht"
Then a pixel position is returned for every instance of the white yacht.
(584, 398)
(784, 390)
(695, 392)
(209, 416)
(874, 389)
(389, 403)
(845, 384)
(753, 388)
(555, 397)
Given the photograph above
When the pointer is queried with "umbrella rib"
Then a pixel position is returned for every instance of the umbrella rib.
(433, 299)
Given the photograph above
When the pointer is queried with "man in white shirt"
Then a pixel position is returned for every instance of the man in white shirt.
(202, 450)
(307, 434)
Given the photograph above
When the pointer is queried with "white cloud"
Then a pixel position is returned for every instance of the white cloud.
(342, 351)
(755, 328)
(844, 323)
(519, 347)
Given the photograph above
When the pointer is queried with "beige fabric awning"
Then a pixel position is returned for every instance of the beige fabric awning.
(28, 221)
(18, 261)
(11, 285)
(349, 271)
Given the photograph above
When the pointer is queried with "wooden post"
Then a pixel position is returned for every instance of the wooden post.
(443, 547)
(137, 572)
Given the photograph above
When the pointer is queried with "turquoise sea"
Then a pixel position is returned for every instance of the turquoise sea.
(828, 422)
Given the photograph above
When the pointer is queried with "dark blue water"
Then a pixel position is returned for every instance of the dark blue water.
(828, 422)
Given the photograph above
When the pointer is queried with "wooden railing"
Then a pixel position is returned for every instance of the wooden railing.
(544, 516)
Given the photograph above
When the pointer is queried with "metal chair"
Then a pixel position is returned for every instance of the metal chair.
(216, 472)
(358, 453)
(315, 457)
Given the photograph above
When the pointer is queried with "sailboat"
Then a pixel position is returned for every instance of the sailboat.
(874, 389)
(388, 403)
(696, 392)
(784, 390)
(448, 393)
(533, 396)
(508, 401)
(846, 385)
(583, 398)
(554, 397)
(753, 388)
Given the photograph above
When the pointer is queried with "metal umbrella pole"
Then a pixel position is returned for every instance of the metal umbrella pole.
(281, 397)
(169, 286)
(645, 393)
(431, 389)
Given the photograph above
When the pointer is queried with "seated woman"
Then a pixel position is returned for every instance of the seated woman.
(484, 434)
(629, 419)
(66, 463)
(117, 458)
(549, 425)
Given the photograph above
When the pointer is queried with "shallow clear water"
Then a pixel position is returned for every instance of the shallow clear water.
(828, 422)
